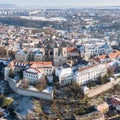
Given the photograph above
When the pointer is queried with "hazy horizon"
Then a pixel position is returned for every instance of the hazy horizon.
(62, 3)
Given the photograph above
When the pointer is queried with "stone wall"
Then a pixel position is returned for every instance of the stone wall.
(99, 89)
(42, 95)
(25, 92)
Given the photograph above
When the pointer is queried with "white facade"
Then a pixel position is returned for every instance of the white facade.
(45, 67)
(72, 52)
(6, 72)
(105, 49)
(21, 56)
(32, 74)
(65, 75)
(37, 70)
(38, 57)
(33, 54)
(94, 49)
(39, 54)
(47, 70)
(91, 73)
(59, 56)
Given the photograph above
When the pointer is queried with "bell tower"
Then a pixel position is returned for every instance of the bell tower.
(55, 52)
(64, 52)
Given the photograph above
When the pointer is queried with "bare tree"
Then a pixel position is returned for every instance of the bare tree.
(41, 84)
(25, 83)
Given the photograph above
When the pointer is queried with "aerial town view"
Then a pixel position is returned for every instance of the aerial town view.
(60, 60)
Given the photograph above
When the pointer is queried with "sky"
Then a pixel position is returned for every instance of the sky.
(63, 2)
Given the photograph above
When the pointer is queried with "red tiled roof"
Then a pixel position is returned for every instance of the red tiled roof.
(111, 56)
(41, 63)
(70, 49)
(114, 54)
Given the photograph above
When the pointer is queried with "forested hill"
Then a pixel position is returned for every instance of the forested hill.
(17, 21)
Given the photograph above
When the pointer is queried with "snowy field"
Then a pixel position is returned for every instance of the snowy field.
(43, 18)
(23, 104)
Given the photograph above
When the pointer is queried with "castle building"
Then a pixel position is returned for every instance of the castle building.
(85, 75)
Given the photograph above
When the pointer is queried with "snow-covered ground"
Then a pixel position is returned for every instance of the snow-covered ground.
(23, 104)
(43, 18)
(4, 87)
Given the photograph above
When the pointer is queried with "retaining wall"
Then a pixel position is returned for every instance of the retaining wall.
(99, 89)
(24, 92)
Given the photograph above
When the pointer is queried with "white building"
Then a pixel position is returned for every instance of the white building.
(38, 56)
(90, 73)
(15, 66)
(32, 74)
(65, 75)
(32, 54)
(92, 49)
(37, 70)
(21, 56)
(97, 50)
(72, 52)
(46, 68)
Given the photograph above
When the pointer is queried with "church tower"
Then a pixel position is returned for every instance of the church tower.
(64, 52)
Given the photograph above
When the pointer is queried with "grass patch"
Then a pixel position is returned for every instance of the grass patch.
(6, 102)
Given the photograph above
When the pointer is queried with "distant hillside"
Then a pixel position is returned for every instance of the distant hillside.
(17, 21)
(5, 6)
(108, 7)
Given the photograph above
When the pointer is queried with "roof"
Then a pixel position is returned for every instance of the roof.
(70, 49)
(11, 65)
(91, 67)
(63, 71)
(41, 64)
(111, 56)
(114, 54)
(15, 63)
(32, 88)
(102, 106)
(33, 70)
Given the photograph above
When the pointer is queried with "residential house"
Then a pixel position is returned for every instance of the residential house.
(21, 56)
(103, 107)
(16, 66)
(94, 49)
(72, 52)
(108, 57)
(115, 100)
(33, 54)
